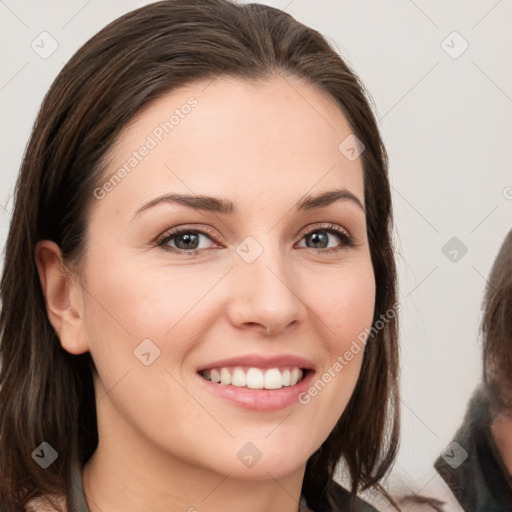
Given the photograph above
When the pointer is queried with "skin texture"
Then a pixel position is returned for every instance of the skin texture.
(166, 442)
(500, 429)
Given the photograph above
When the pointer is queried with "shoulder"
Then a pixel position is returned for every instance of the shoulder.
(40, 504)
(425, 501)
(338, 499)
(346, 501)
(44, 504)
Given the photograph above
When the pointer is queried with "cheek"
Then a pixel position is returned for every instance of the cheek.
(345, 309)
(128, 304)
(141, 303)
(346, 305)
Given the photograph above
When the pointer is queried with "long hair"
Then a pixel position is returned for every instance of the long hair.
(46, 393)
(496, 330)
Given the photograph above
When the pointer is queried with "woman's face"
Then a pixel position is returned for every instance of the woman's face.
(271, 290)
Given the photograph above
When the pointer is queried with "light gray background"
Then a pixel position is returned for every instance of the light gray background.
(447, 125)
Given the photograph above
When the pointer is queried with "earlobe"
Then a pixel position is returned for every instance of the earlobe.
(62, 297)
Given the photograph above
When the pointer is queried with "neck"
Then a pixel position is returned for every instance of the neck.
(500, 429)
(127, 473)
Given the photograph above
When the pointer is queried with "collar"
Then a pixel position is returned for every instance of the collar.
(78, 502)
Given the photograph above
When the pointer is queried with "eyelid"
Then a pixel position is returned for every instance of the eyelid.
(327, 226)
(200, 229)
(347, 239)
(189, 227)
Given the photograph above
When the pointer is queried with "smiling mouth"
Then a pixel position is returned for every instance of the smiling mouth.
(255, 378)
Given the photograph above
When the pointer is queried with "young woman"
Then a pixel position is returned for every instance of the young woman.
(199, 292)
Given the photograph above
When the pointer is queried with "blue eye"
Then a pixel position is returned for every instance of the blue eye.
(187, 240)
(313, 236)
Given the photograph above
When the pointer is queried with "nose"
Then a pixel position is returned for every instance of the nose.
(265, 294)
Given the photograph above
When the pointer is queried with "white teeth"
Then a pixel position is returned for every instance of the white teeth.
(273, 379)
(225, 376)
(254, 378)
(239, 378)
(295, 376)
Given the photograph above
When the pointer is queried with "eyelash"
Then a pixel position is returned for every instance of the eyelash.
(347, 240)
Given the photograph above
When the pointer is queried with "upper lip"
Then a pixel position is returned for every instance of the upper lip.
(260, 361)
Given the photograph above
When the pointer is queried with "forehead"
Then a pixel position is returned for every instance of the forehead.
(233, 138)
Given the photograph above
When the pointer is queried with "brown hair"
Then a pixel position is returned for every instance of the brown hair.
(47, 393)
(496, 330)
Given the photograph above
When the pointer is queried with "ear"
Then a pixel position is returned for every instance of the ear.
(63, 297)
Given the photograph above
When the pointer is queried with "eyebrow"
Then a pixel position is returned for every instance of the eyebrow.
(227, 207)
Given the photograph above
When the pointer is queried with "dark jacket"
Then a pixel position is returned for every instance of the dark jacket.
(345, 502)
(480, 482)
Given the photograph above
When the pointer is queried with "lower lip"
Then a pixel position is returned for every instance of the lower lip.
(260, 399)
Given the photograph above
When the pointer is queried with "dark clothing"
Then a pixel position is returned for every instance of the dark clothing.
(344, 504)
(481, 483)
(78, 503)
